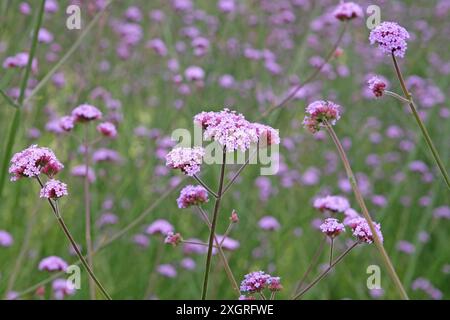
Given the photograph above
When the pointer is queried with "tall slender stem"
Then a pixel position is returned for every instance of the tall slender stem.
(18, 112)
(311, 265)
(236, 175)
(419, 121)
(204, 185)
(87, 209)
(331, 250)
(362, 204)
(74, 245)
(213, 226)
(324, 273)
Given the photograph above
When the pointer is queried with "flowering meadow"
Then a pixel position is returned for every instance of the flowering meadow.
(224, 149)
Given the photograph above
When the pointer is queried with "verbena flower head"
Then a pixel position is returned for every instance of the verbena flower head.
(361, 230)
(188, 160)
(54, 189)
(85, 113)
(391, 38)
(269, 223)
(20, 60)
(228, 128)
(33, 161)
(320, 111)
(377, 85)
(159, 226)
(258, 281)
(332, 227)
(107, 129)
(173, 239)
(167, 270)
(347, 11)
(61, 288)
(53, 263)
(81, 171)
(192, 196)
(67, 123)
(6, 240)
(267, 135)
(331, 203)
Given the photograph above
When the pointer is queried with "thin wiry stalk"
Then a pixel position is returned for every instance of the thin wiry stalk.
(311, 77)
(213, 226)
(419, 121)
(87, 210)
(204, 185)
(324, 273)
(18, 112)
(351, 177)
(74, 245)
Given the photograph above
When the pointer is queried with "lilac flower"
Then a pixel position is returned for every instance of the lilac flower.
(25, 8)
(158, 46)
(331, 203)
(33, 161)
(107, 219)
(51, 6)
(106, 155)
(362, 232)
(331, 227)
(167, 270)
(53, 263)
(406, 247)
(258, 281)
(269, 223)
(188, 160)
(86, 112)
(266, 135)
(194, 73)
(192, 196)
(107, 129)
(67, 123)
(141, 240)
(54, 189)
(133, 13)
(347, 11)
(377, 86)
(442, 212)
(426, 286)
(226, 6)
(229, 129)
(6, 240)
(350, 215)
(391, 38)
(45, 36)
(159, 226)
(320, 111)
(188, 264)
(20, 60)
(62, 288)
(81, 171)
(173, 238)
(228, 243)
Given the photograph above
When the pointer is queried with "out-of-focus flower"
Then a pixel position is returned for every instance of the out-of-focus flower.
(167, 270)
(107, 129)
(391, 38)
(86, 112)
(159, 226)
(20, 60)
(331, 203)
(82, 171)
(377, 86)
(269, 223)
(173, 238)
(347, 11)
(194, 73)
(62, 288)
(53, 263)
(6, 240)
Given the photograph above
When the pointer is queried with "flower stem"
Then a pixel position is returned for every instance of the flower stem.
(213, 226)
(311, 265)
(23, 86)
(362, 204)
(74, 245)
(396, 96)
(236, 175)
(204, 185)
(87, 210)
(324, 273)
(331, 251)
(419, 121)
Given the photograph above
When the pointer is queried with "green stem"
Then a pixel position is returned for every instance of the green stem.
(17, 114)
(324, 273)
(74, 245)
(362, 204)
(419, 121)
(213, 227)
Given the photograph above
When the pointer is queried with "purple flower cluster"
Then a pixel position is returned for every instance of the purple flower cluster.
(33, 161)
(188, 160)
(391, 38)
(361, 230)
(377, 85)
(192, 196)
(332, 227)
(54, 189)
(347, 11)
(53, 263)
(320, 111)
(331, 203)
(258, 281)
